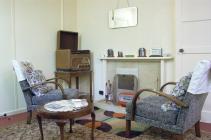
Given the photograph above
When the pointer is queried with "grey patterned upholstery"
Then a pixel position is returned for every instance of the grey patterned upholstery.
(150, 108)
(148, 111)
(54, 95)
(33, 101)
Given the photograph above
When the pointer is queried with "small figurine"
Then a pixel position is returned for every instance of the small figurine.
(108, 94)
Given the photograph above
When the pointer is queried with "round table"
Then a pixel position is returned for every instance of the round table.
(62, 117)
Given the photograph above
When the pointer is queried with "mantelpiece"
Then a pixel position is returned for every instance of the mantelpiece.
(136, 58)
(161, 60)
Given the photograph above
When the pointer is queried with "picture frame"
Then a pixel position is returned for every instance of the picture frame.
(156, 52)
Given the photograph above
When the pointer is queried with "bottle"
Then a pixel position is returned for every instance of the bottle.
(142, 52)
(110, 53)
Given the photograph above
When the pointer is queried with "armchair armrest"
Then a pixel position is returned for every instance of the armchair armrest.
(47, 82)
(57, 78)
(169, 97)
(169, 83)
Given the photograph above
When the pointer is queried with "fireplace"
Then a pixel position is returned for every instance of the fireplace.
(151, 71)
(124, 88)
(125, 84)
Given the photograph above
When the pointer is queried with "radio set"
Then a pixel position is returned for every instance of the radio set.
(68, 57)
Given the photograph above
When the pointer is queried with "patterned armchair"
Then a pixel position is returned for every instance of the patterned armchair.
(178, 121)
(32, 99)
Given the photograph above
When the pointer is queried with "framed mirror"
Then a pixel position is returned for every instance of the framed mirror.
(123, 17)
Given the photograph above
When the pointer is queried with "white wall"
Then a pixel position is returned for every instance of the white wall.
(155, 29)
(28, 31)
(69, 15)
(36, 25)
(7, 93)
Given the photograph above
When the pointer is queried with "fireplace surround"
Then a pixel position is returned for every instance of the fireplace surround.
(151, 71)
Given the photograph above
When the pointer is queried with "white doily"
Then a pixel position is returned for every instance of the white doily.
(66, 105)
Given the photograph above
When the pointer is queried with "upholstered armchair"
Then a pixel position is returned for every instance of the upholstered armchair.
(32, 100)
(148, 110)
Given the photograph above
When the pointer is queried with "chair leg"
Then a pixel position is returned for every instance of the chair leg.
(39, 119)
(178, 137)
(93, 125)
(128, 127)
(29, 117)
(197, 129)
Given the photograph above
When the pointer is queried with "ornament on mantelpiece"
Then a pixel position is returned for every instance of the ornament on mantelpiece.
(108, 95)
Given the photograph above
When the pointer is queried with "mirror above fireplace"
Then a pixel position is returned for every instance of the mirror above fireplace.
(123, 17)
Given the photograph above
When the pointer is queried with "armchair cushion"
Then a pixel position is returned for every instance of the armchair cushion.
(182, 86)
(54, 95)
(179, 91)
(36, 77)
(149, 108)
(27, 66)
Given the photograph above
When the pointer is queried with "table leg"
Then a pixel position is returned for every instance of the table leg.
(39, 119)
(93, 125)
(61, 127)
(69, 80)
(71, 124)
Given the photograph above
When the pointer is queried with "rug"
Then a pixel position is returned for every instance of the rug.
(22, 131)
(112, 122)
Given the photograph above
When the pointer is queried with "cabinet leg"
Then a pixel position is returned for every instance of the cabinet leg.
(77, 82)
(71, 124)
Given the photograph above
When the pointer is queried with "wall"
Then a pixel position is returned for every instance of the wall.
(69, 15)
(6, 55)
(28, 32)
(155, 29)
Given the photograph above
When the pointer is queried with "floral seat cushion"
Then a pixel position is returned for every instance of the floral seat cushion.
(35, 77)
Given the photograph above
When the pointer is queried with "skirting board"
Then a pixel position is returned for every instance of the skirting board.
(14, 112)
(206, 116)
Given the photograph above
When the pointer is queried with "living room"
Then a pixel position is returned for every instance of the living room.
(178, 29)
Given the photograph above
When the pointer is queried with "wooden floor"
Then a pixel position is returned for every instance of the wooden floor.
(8, 120)
(5, 121)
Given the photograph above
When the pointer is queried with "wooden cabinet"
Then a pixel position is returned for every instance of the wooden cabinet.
(68, 57)
(75, 74)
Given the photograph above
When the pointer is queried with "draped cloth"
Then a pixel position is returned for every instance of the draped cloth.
(201, 78)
